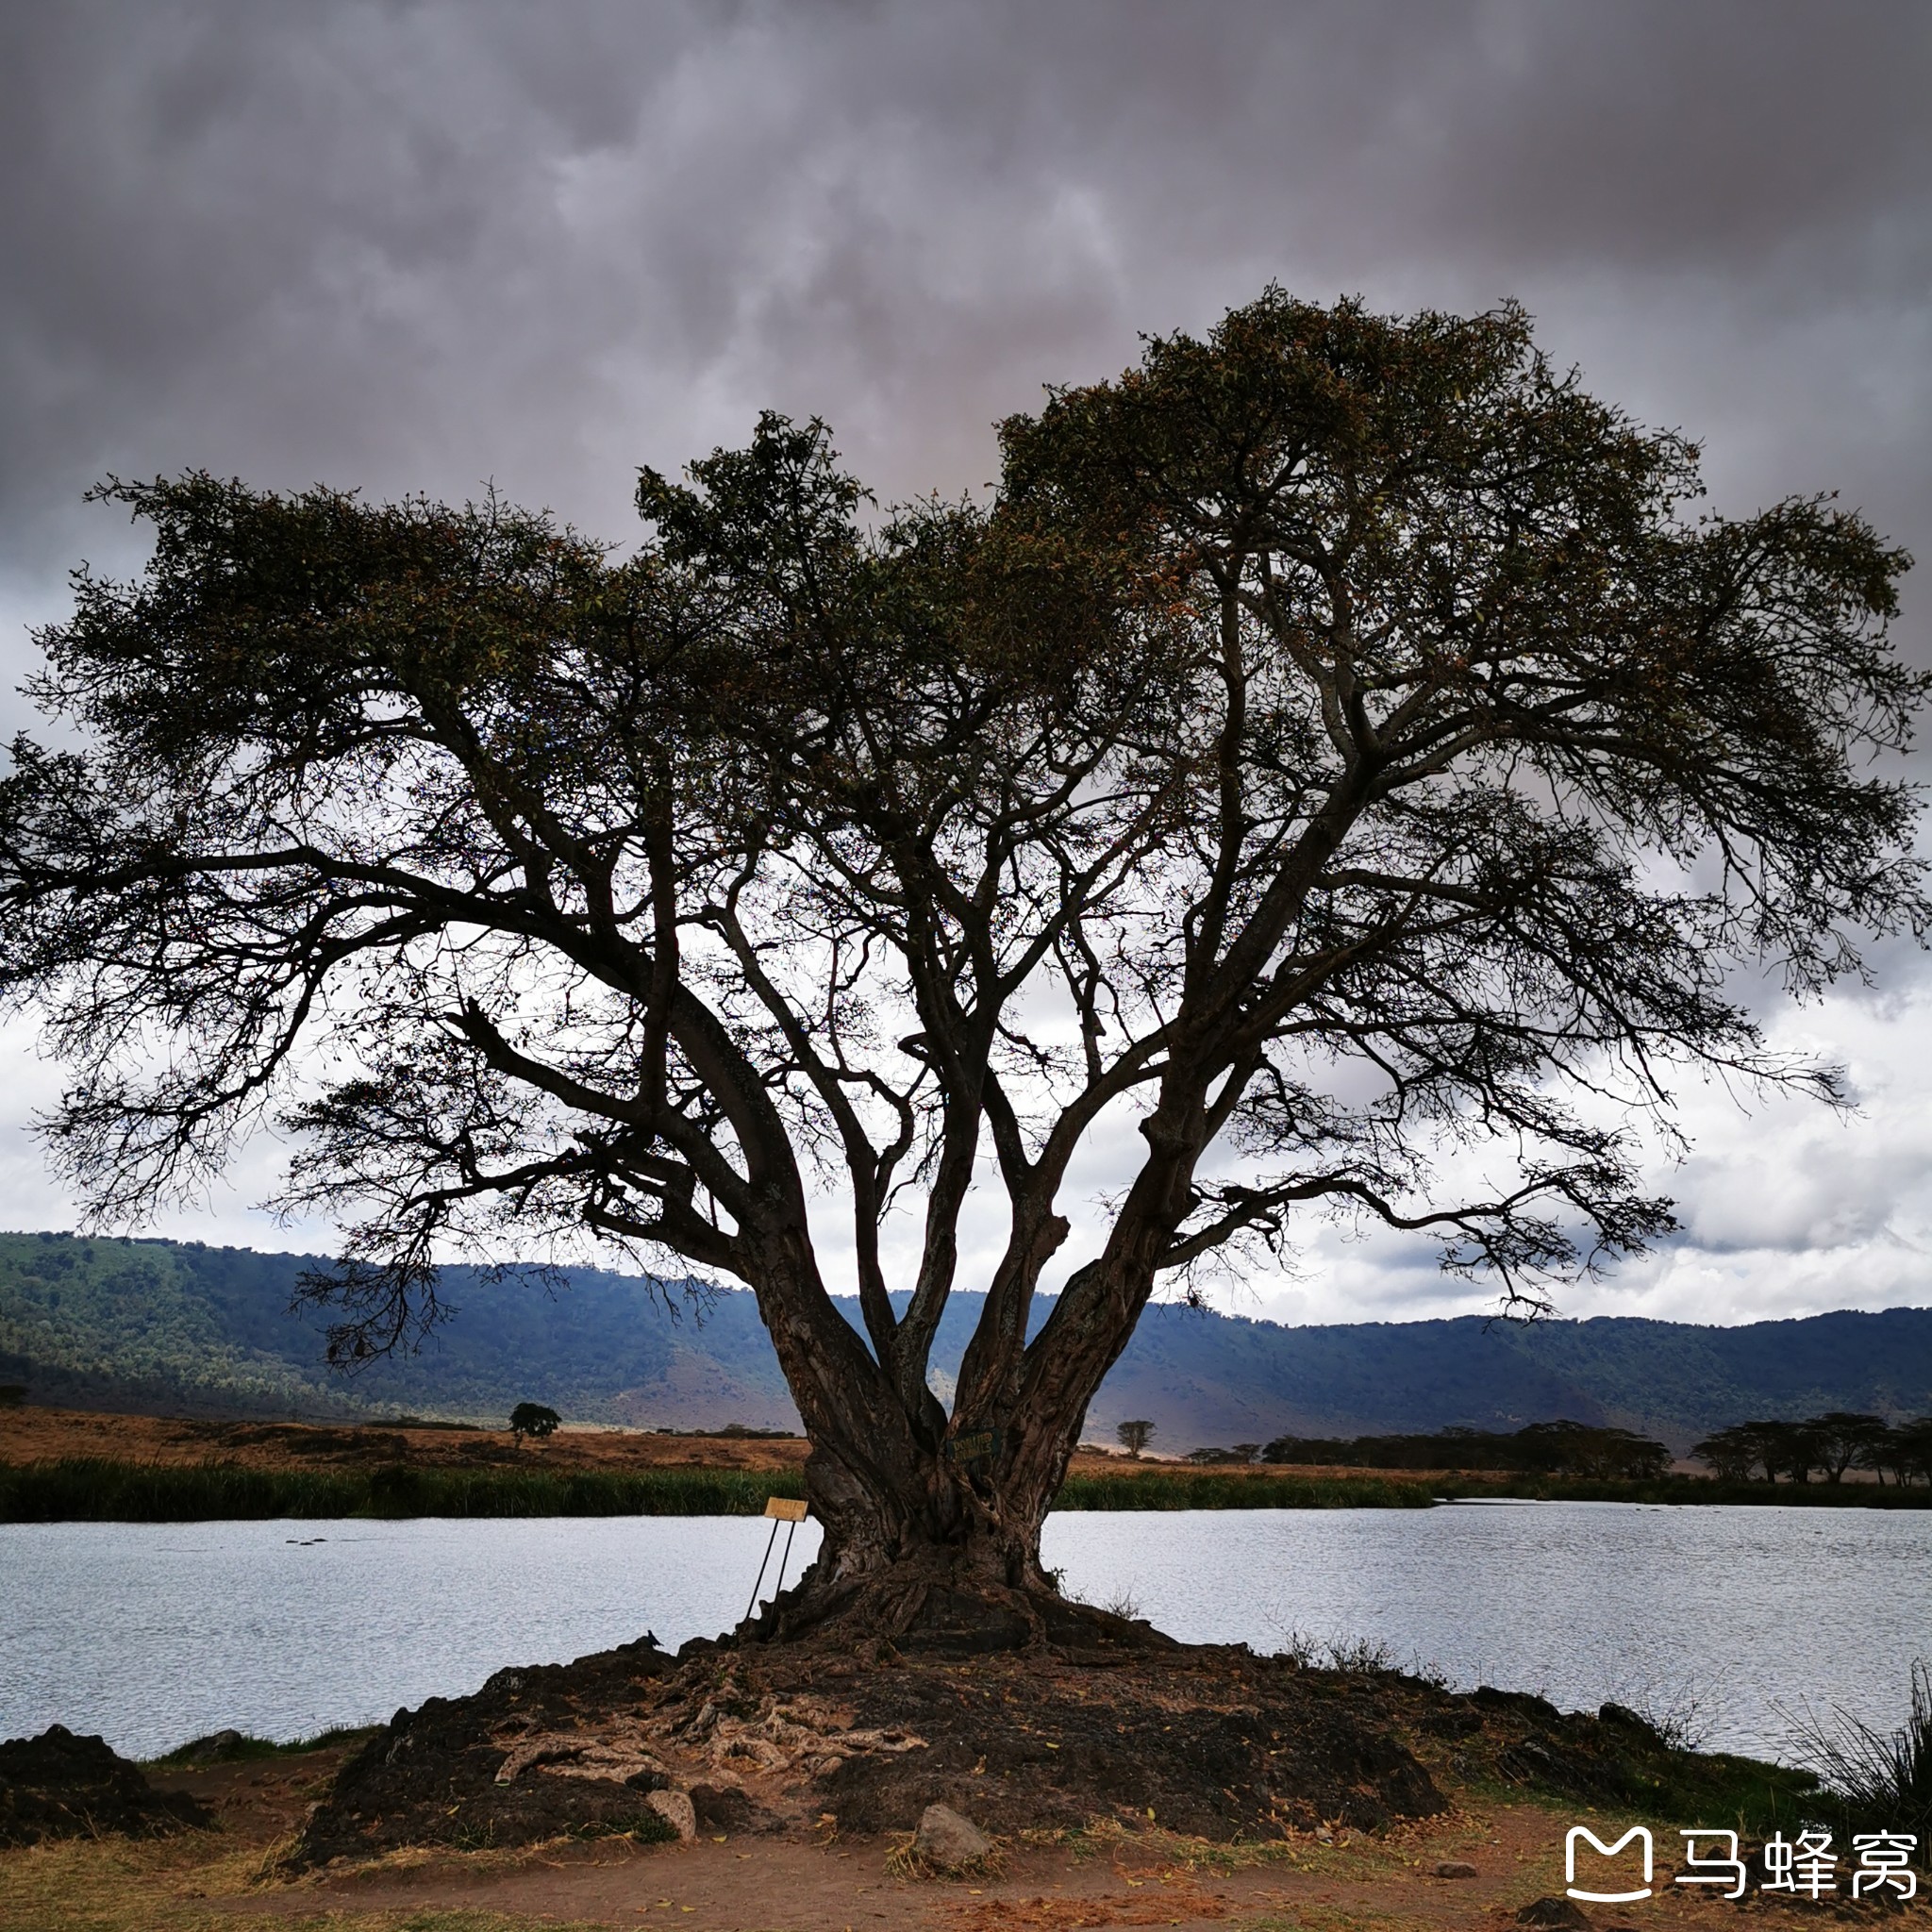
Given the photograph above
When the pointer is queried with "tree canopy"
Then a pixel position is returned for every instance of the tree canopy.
(1338, 750)
(533, 1419)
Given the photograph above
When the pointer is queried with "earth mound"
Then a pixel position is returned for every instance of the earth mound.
(61, 1786)
(1210, 1740)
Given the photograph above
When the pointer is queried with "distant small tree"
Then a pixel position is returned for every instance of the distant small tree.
(1248, 1452)
(533, 1419)
(1134, 1436)
(1882, 1452)
(1790, 1449)
(1772, 1450)
(1567, 1448)
(1308, 1449)
(1913, 1447)
(1842, 1438)
(1732, 1453)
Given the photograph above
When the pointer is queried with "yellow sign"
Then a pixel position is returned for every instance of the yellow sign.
(785, 1508)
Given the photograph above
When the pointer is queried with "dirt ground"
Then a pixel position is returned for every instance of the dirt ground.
(31, 1434)
(227, 1880)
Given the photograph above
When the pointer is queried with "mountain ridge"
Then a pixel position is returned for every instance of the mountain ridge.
(163, 1326)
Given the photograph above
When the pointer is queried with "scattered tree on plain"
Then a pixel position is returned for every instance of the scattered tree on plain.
(1841, 1439)
(1559, 1448)
(1335, 749)
(1134, 1436)
(1732, 1454)
(533, 1419)
(1830, 1444)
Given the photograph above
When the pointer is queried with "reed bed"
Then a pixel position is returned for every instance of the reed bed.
(93, 1490)
(102, 1490)
(97, 1490)
(1208, 1490)
(1691, 1489)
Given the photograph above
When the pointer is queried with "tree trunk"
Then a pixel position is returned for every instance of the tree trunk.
(918, 1544)
(933, 1537)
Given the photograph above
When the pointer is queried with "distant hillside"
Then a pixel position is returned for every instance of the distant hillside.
(168, 1326)
(152, 1325)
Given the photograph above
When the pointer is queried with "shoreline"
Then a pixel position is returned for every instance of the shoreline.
(109, 1489)
(1199, 1788)
(87, 1466)
(97, 1489)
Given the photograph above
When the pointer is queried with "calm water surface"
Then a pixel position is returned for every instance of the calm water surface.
(152, 1634)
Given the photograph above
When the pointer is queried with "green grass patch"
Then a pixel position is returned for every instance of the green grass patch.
(98, 1490)
(239, 1747)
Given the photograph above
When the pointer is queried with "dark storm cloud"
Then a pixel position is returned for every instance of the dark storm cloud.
(423, 245)
(418, 245)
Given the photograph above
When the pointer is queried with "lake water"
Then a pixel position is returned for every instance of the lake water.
(152, 1634)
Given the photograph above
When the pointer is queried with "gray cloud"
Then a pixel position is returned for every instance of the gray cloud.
(424, 243)
(420, 245)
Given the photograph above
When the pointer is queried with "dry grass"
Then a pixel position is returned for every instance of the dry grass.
(905, 1860)
(192, 1883)
(1166, 1905)
(1173, 1851)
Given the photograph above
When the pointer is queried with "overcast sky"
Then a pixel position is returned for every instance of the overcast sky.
(425, 246)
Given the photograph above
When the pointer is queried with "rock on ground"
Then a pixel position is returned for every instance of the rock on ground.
(949, 1842)
(61, 1785)
(675, 1809)
(217, 1747)
(1554, 1914)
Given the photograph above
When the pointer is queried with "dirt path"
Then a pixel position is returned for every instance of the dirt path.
(804, 1887)
(1357, 1884)
(224, 1880)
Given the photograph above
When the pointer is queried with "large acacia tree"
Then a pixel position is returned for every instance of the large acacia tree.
(1336, 752)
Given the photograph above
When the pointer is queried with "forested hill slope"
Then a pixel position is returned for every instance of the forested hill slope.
(178, 1327)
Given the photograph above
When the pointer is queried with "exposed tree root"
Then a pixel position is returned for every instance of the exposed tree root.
(774, 1735)
(1021, 1709)
(942, 1608)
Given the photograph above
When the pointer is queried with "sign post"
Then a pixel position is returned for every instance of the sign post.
(785, 1510)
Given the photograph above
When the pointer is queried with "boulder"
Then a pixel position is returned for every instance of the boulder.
(1624, 1717)
(675, 1809)
(949, 1842)
(721, 1808)
(217, 1747)
(1554, 1915)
